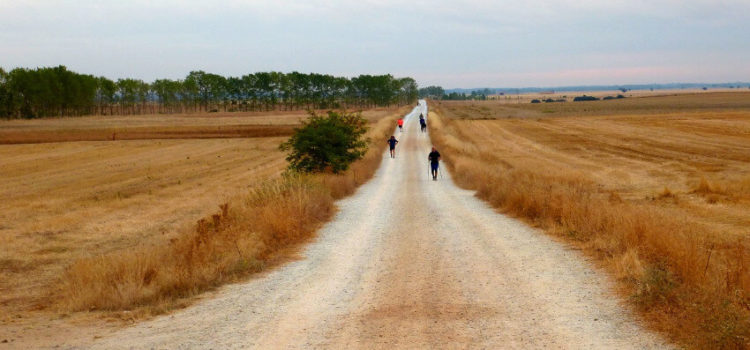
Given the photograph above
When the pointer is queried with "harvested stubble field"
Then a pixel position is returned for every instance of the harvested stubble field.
(97, 210)
(645, 103)
(657, 188)
(158, 126)
(526, 98)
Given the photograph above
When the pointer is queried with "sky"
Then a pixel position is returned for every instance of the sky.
(451, 43)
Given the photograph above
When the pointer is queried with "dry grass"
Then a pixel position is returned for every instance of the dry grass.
(231, 244)
(632, 191)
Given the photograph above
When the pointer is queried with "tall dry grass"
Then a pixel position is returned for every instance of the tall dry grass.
(231, 244)
(688, 282)
(225, 246)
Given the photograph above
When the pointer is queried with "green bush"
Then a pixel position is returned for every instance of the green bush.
(327, 143)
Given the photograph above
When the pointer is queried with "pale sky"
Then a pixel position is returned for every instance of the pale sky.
(452, 43)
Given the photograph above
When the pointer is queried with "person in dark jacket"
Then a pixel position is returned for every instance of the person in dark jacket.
(434, 159)
(392, 144)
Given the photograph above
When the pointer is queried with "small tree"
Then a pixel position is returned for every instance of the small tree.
(585, 98)
(327, 143)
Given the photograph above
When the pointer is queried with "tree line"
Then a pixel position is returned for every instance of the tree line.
(57, 91)
(438, 93)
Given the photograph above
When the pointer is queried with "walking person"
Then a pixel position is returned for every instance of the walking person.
(392, 144)
(434, 159)
(422, 123)
(401, 124)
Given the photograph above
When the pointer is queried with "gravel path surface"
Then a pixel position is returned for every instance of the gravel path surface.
(410, 263)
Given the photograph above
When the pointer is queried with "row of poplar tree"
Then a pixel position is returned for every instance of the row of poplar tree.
(57, 91)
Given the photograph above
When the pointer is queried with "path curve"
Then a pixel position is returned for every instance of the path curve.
(410, 263)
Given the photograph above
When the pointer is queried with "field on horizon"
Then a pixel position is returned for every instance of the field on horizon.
(64, 200)
(658, 188)
(525, 98)
(645, 103)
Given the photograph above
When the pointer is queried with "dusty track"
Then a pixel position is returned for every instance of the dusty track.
(410, 263)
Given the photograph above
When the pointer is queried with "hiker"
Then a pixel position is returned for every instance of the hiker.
(422, 123)
(434, 158)
(392, 144)
(400, 124)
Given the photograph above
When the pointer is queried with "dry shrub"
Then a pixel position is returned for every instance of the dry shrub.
(703, 187)
(615, 198)
(732, 189)
(629, 266)
(666, 193)
(661, 257)
(231, 244)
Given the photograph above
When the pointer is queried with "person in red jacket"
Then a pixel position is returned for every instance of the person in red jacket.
(401, 124)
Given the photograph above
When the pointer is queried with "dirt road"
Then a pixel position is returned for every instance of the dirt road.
(410, 263)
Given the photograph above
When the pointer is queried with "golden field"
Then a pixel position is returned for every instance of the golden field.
(656, 188)
(525, 98)
(80, 211)
(158, 126)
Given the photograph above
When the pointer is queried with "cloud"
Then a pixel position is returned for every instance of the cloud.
(477, 40)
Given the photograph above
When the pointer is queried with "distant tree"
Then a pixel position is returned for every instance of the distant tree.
(327, 143)
(408, 91)
(106, 95)
(6, 106)
(235, 93)
(433, 92)
(265, 88)
(585, 98)
(455, 96)
(536, 101)
(211, 89)
(479, 94)
(130, 94)
(168, 94)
